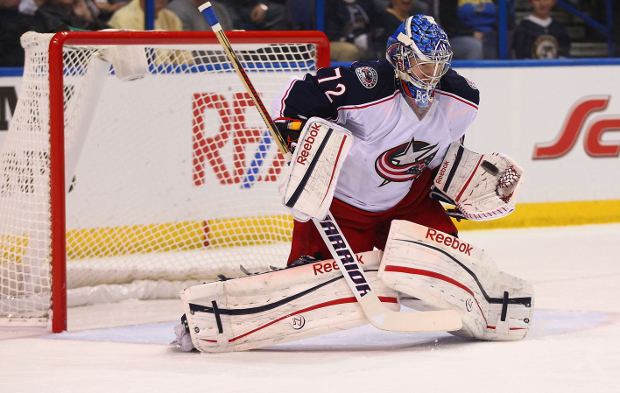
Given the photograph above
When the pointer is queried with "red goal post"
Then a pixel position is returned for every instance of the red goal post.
(229, 218)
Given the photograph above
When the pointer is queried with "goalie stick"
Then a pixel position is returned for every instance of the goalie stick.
(378, 315)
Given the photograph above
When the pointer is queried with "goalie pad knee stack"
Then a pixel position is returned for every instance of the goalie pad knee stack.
(279, 306)
(445, 272)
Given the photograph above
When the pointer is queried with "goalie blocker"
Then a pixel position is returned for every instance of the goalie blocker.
(314, 168)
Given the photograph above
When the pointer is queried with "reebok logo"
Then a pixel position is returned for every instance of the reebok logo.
(442, 171)
(449, 241)
(326, 267)
(308, 143)
(594, 144)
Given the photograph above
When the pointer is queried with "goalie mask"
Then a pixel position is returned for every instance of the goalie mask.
(420, 53)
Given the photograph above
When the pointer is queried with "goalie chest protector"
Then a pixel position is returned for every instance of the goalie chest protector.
(392, 146)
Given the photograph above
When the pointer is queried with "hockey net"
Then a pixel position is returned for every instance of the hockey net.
(139, 188)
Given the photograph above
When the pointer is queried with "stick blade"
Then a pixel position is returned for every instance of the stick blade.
(410, 322)
(421, 321)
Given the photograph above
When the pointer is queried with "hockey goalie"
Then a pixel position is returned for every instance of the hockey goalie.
(377, 145)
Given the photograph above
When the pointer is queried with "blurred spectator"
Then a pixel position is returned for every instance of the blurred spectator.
(61, 15)
(187, 11)
(108, 7)
(267, 15)
(256, 14)
(302, 14)
(391, 16)
(471, 27)
(539, 36)
(87, 10)
(12, 25)
(227, 15)
(417, 6)
(29, 7)
(131, 17)
(348, 27)
(616, 30)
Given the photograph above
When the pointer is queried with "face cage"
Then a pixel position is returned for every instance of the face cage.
(429, 71)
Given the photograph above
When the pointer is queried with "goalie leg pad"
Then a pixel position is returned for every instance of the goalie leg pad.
(446, 272)
(279, 306)
(315, 167)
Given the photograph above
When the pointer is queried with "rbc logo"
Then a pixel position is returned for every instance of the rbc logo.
(574, 124)
(244, 163)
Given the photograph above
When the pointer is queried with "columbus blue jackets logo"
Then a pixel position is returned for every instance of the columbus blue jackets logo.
(404, 162)
(368, 76)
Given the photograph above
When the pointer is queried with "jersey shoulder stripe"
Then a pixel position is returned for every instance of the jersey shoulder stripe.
(459, 87)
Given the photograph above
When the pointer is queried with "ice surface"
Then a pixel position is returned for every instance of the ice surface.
(573, 345)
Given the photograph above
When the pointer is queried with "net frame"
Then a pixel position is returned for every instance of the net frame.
(57, 122)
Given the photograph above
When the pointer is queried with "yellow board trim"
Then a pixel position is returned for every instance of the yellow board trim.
(249, 231)
(552, 214)
(13, 248)
(134, 239)
(178, 236)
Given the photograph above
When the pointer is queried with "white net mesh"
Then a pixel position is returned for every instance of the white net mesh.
(171, 177)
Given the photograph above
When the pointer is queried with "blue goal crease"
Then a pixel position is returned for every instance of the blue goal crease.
(251, 172)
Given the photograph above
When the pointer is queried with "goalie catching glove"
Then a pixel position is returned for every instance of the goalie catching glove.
(314, 168)
(481, 186)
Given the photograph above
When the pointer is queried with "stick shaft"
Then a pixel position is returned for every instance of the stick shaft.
(207, 11)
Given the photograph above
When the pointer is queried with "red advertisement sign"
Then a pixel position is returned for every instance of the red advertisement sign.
(575, 125)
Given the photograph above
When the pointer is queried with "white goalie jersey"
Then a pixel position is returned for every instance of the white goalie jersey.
(392, 146)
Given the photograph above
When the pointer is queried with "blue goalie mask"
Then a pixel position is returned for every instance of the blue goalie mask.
(420, 53)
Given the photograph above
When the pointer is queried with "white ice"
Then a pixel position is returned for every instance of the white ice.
(573, 345)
